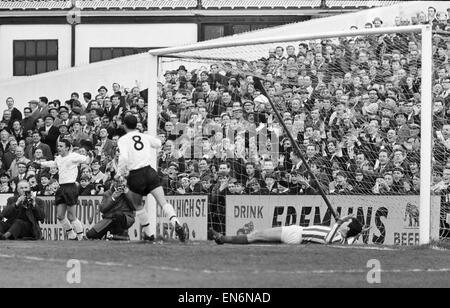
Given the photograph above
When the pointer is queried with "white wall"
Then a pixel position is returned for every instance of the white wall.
(131, 35)
(341, 22)
(118, 35)
(60, 84)
(9, 33)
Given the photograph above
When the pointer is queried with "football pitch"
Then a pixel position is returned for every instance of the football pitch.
(206, 265)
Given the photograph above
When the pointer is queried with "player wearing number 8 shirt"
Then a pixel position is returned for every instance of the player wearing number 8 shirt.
(135, 150)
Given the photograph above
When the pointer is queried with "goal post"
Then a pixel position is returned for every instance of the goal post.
(241, 57)
(151, 127)
(426, 127)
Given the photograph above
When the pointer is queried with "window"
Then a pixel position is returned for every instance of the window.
(106, 53)
(31, 57)
(212, 31)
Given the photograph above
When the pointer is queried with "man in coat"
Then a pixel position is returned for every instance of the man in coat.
(23, 213)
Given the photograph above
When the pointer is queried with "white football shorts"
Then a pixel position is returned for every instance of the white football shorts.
(291, 234)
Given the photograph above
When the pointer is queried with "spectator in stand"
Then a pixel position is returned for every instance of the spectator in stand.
(37, 144)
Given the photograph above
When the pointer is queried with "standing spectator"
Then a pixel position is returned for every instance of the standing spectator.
(342, 186)
(86, 188)
(15, 113)
(106, 145)
(37, 144)
(63, 117)
(10, 155)
(217, 204)
(19, 158)
(28, 121)
(17, 131)
(50, 133)
(4, 141)
(300, 184)
(43, 106)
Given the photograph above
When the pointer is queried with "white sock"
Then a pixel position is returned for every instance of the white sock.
(142, 216)
(68, 228)
(170, 212)
(78, 228)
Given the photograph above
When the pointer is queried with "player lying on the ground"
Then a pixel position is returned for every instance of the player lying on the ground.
(345, 230)
(117, 213)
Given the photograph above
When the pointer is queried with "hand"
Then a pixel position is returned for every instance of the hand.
(345, 219)
(119, 178)
(116, 194)
(20, 200)
(223, 185)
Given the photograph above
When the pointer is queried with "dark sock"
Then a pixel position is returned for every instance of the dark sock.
(238, 239)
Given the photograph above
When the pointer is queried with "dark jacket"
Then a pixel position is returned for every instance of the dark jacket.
(16, 115)
(28, 123)
(34, 215)
(46, 150)
(299, 189)
(122, 205)
(51, 137)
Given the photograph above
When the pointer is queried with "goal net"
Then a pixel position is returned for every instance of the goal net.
(274, 129)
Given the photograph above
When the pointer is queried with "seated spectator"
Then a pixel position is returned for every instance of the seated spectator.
(118, 214)
(23, 213)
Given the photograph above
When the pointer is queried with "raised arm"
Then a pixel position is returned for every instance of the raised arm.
(47, 164)
(331, 235)
(122, 169)
(154, 142)
(80, 159)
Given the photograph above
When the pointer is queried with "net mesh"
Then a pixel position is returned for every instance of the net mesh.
(352, 104)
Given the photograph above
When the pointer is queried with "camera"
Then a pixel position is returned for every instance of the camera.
(28, 199)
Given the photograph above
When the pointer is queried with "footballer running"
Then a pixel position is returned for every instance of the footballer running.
(135, 150)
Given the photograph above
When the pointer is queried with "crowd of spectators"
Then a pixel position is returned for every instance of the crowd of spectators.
(353, 105)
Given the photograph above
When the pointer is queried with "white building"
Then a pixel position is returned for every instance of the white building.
(40, 36)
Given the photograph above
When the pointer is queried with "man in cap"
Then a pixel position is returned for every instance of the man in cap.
(63, 116)
(49, 133)
(102, 91)
(195, 187)
(35, 114)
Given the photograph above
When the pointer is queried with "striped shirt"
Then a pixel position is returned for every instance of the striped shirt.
(318, 234)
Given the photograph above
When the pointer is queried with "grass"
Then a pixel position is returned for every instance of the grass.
(204, 264)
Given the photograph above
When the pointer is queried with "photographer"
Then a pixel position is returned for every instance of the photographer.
(23, 213)
(118, 214)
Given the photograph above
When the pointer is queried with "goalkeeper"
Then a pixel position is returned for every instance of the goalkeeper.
(345, 230)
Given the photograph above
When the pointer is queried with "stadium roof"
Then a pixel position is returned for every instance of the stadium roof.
(183, 4)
